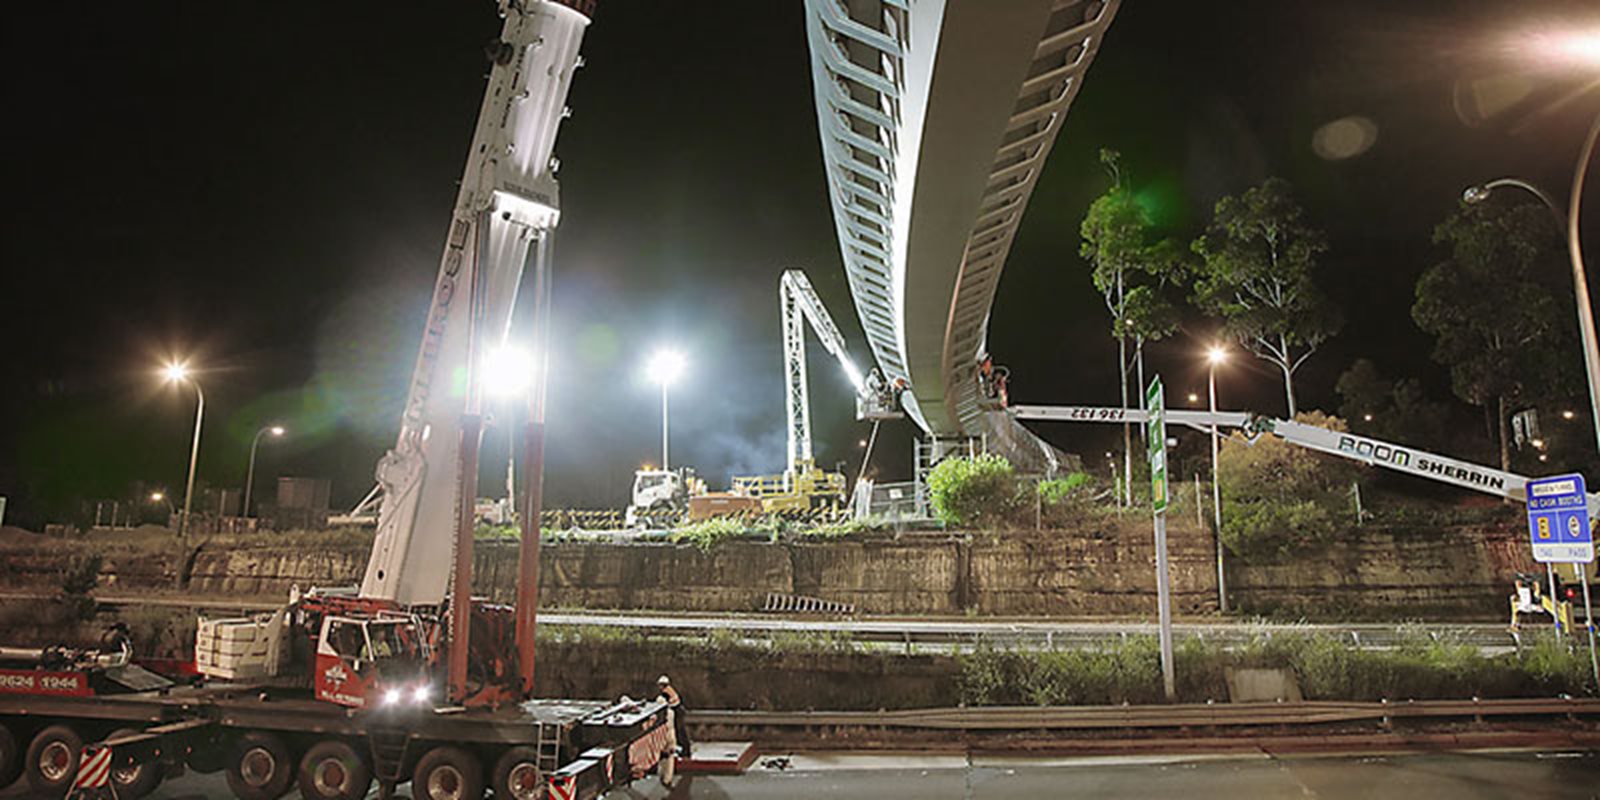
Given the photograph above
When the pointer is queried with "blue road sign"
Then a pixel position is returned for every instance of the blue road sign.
(1558, 520)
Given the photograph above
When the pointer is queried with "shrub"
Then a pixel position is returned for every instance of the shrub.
(1075, 486)
(980, 492)
(78, 581)
(708, 533)
(1279, 497)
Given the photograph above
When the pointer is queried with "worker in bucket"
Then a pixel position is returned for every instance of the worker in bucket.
(680, 725)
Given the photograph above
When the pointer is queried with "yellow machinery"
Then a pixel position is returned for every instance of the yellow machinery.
(804, 488)
(1530, 597)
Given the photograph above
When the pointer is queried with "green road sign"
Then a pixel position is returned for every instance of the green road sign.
(1156, 436)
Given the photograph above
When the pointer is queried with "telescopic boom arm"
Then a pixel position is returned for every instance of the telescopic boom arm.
(1366, 450)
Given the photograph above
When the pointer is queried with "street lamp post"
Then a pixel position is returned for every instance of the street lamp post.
(508, 375)
(161, 497)
(179, 373)
(665, 367)
(1216, 355)
(250, 474)
(1568, 220)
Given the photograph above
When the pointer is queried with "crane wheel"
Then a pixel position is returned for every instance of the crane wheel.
(260, 767)
(333, 770)
(447, 773)
(135, 781)
(516, 775)
(10, 757)
(53, 760)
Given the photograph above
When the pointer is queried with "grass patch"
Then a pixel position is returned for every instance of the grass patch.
(1419, 667)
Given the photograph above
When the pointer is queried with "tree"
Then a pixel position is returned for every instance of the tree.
(1258, 258)
(1132, 270)
(1492, 308)
(1397, 411)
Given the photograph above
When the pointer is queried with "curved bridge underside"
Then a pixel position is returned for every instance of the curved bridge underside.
(936, 117)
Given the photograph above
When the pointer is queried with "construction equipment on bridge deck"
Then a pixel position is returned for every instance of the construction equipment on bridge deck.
(803, 485)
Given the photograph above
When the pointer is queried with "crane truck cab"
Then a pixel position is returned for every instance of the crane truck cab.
(659, 494)
(369, 662)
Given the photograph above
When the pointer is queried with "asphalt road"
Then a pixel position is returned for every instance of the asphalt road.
(1438, 776)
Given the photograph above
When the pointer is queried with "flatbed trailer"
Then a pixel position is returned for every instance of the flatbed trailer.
(269, 740)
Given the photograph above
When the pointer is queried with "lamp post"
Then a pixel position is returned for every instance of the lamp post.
(665, 367)
(161, 497)
(1567, 219)
(1214, 356)
(250, 474)
(508, 376)
(177, 372)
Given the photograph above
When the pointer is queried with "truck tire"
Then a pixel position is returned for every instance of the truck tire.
(447, 773)
(332, 770)
(516, 775)
(53, 760)
(10, 757)
(260, 767)
(135, 781)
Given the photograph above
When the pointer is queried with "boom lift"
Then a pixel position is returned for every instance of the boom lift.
(1400, 458)
(803, 485)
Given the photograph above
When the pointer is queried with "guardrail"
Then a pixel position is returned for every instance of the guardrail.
(950, 635)
(1008, 718)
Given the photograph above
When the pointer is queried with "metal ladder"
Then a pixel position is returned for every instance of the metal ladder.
(388, 754)
(549, 746)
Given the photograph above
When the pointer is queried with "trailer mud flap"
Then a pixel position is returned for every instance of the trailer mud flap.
(93, 781)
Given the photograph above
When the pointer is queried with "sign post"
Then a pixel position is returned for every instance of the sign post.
(1156, 438)
(1559, 530)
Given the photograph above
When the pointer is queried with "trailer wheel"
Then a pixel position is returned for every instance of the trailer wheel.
(332, 770)
(516, 775)
(138, 780)
(10, 758)
(261, 767)
(53, 760)
(447, 773)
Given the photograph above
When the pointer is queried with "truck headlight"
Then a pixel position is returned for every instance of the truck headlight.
(421, 694)
(391, 696)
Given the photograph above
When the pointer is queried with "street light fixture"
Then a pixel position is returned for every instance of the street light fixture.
(508, 372)
(664, 368)
(1216, 355)
(177, 372)
(1568, 219)
(250, 474)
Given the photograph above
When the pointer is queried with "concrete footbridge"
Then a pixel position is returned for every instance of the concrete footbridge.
(936, 117)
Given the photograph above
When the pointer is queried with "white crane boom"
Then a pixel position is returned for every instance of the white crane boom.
(1400, 458)
(800, 304)
(505, 211)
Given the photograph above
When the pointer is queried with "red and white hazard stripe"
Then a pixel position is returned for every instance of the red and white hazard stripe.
(563, 787)
(94, 768)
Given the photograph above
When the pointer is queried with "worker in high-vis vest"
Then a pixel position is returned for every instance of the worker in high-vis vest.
(680, 725)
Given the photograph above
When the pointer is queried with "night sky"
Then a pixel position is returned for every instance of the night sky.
(264, 188)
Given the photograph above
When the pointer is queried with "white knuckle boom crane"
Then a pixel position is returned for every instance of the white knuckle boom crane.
(802, 485)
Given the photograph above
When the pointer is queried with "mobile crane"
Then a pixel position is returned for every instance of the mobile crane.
(803, 485)
(407, 677)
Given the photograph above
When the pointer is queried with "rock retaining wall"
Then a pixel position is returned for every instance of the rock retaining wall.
(1103, 570)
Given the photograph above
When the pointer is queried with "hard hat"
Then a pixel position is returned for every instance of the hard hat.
(663, 680)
